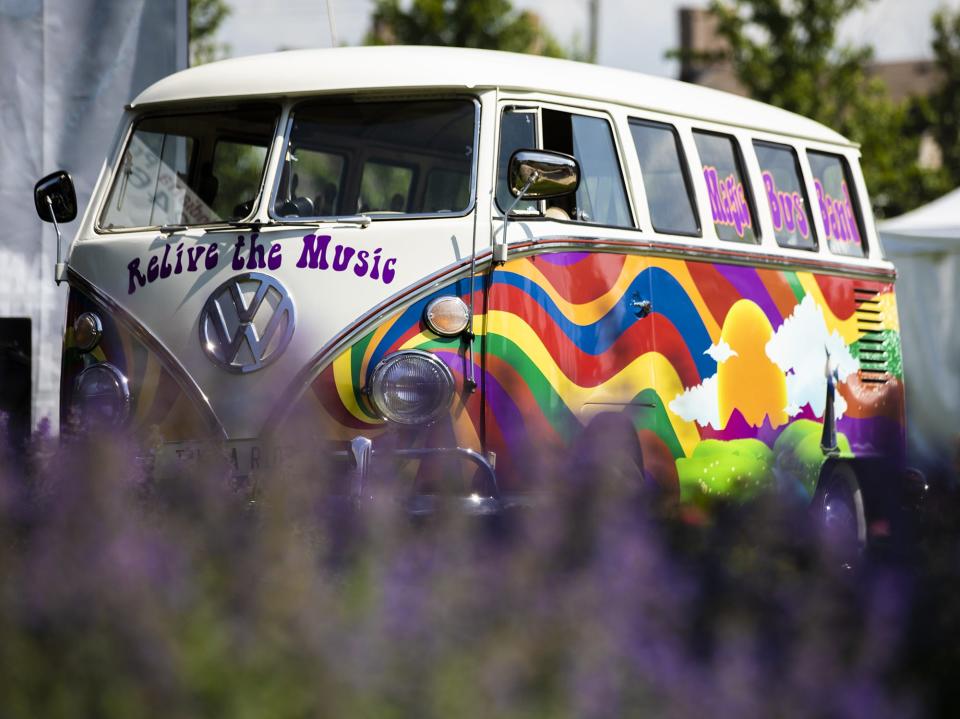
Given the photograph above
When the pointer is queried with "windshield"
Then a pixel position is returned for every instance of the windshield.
(191, 169)
(383, 158)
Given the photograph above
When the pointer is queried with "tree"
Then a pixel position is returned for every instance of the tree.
(786, 53)
(490, 24)
(206, 16)
(943, 109)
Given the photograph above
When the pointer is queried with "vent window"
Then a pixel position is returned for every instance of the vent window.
(873, 345)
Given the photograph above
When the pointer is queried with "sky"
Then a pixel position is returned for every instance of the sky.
(633, 34)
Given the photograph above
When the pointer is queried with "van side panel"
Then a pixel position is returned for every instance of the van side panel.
(726, 384)
(723, 381)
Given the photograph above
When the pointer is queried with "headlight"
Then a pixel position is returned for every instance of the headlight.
(87, 331)
(411, 387)
(447, 316)
(102, 397)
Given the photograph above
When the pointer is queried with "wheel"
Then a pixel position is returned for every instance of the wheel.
(838, 514)
(607, 461)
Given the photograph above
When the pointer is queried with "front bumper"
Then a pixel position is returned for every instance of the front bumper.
(362, 454)
(354, 466)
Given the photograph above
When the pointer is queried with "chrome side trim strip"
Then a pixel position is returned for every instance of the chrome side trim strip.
(167, 358)
(312, 369)
(685, 251)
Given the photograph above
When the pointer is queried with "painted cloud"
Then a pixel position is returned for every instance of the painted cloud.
(720, 352)
(799, 347)
(699, 404)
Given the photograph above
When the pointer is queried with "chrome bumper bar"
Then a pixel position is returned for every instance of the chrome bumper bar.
(362, 453)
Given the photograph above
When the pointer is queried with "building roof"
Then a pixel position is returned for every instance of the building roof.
(699, 36)
(906, 78)
(394, 68)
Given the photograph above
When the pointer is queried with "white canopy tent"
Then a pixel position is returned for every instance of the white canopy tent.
(925, 246)
(67, 68)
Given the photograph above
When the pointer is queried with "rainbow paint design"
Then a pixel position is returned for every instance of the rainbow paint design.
(723, 382)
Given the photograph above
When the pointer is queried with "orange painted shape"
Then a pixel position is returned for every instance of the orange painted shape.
(750, 381)
(780, 291)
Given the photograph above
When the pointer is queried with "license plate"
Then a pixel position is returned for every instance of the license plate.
(242, 456)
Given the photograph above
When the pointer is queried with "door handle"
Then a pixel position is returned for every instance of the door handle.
(641, 307)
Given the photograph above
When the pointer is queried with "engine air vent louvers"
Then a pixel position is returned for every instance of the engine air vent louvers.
(873, 353)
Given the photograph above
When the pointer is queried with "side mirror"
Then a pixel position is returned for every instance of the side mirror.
(58, 187)
(540, 175)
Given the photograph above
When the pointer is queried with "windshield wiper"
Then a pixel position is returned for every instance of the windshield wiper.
(256, 225)
(362, 220)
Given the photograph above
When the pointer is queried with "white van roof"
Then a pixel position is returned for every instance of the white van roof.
(395, 68)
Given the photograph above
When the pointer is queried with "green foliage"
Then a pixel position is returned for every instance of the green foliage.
(943, 110)
(206, 17)
(786, 53)
(488, 24)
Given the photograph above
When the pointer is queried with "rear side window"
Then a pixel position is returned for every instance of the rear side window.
(786, 196)
(665, 178)
(729, 194)
(838, 206)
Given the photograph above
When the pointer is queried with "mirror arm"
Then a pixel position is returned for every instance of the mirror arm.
(60, 271)
(471, 382)
(500, 248)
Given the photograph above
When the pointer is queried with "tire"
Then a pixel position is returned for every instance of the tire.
(838, 513)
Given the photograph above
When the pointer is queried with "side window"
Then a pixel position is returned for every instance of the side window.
(518, 131)
(665, 178)
(838, 207)
(786, 195)
(601, 198)
(726, 187)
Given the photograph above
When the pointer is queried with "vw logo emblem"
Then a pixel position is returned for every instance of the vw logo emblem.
(247, 322)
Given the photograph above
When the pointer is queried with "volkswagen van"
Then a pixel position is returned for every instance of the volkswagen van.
(470, 264)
